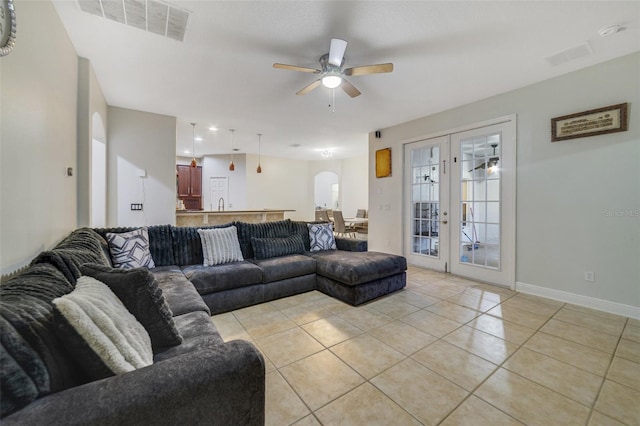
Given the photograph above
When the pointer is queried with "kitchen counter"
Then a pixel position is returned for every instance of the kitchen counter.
(215, 217)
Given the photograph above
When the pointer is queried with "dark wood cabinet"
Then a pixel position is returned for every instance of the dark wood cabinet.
(189, 186)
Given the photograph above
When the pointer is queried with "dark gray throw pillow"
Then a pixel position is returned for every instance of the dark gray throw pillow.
(265, 248)
(139, 292)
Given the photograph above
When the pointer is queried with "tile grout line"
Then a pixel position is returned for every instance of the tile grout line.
(498, 367)
(606, 373)
(405, 357)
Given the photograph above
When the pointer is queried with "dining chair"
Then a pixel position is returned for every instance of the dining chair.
(339, 227)
(362, 213)
(322, 216)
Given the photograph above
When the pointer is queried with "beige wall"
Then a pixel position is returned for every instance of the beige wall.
(567, 192)
(90, 101)
(355, 185)
(283, 184)
(140, 141)
(38, 98)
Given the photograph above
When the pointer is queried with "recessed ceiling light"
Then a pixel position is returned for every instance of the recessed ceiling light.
(213, 128)
(199, 139)
(610, 29)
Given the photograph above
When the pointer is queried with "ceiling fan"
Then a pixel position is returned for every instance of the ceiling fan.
(332, 73)
(493, 162)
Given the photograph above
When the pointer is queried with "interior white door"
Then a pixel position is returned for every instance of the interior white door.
(427, 203)
(483, 203)
(219, 191)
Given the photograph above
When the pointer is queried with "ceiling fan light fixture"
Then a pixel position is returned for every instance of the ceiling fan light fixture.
(331, 81)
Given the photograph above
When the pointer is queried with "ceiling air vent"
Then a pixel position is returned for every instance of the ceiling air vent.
(149, 15)
(570, 54)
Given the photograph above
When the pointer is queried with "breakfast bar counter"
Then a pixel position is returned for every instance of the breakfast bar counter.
(215, 217)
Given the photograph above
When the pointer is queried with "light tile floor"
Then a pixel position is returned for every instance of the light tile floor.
(444, 350)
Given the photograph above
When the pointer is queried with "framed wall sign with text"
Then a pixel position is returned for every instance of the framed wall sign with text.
(594, 122)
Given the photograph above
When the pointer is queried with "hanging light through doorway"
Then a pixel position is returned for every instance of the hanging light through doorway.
(259, 169)
(193, 147)
(232, 166)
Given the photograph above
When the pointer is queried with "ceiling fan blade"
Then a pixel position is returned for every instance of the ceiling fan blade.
(295, 68)
(309, 87)
(349, 89)
(369, 69)
(336, 51)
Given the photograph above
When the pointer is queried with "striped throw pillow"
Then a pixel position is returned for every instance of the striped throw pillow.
(220, 245)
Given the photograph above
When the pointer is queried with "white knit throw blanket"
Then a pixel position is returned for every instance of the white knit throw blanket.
(106, 325)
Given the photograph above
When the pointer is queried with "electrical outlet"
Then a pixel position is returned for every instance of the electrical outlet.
(589, 276)
(136, 206)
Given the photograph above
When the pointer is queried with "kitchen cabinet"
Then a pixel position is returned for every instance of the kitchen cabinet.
(189, 186)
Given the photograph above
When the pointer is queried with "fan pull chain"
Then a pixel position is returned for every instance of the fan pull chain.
(332, 105)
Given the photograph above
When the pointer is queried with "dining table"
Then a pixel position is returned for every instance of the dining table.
(356, 220)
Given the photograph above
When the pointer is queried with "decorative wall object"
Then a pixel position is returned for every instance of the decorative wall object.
(383, 163)
(594, 122)
(7, 26)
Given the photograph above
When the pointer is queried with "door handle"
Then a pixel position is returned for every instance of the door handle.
(444, 222)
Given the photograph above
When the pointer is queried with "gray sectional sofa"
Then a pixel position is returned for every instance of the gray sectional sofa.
(202, 380)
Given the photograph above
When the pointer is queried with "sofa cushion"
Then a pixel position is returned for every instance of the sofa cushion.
(246, 231)
(160, 242)
(99, 331)
(130, 249)
(198, 332)
(81, 246)
(187, 246)
(321, 237)
(178, 291)
(33, 360)
(140, 293)
(353, 268)
(265, 248)
(86, 239)
(280, 268)
(220, 246)
(211, 279)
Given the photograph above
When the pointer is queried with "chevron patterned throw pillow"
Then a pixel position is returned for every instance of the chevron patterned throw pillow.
(130, 249)
(321, 237)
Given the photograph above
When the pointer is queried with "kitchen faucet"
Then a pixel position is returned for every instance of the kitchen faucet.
(221, 200)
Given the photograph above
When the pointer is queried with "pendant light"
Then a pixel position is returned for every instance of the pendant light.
(259, 169)
(193, 147)
(232, 166)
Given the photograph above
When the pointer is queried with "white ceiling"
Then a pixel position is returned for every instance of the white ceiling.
(445, 54)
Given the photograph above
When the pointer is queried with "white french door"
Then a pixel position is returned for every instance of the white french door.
(427, 194)
(460, 206)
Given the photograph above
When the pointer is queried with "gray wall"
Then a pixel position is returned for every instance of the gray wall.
(140, 141)
(568, 192)
(38, 96)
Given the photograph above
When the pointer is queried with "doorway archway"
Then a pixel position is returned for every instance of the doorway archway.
(326, 191)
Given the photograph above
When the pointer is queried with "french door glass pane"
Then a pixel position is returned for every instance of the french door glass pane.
(480, 201)
(425, 199)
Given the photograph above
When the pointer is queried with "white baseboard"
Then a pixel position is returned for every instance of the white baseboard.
(577, 299)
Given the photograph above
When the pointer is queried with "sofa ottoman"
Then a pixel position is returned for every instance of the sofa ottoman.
(357, 277)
